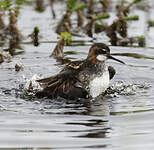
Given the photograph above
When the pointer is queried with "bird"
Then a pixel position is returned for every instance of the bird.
(86, 79)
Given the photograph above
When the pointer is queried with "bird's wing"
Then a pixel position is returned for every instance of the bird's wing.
(47, 80)
(71, 68)
(63, 83)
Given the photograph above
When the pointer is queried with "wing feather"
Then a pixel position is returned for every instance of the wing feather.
(62, 84)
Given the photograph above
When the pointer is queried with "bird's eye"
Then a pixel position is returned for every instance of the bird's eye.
(100, 51)
(103, 51)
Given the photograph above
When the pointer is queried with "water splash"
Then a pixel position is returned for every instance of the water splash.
(27, 88)
(121, 88)
(32, 86)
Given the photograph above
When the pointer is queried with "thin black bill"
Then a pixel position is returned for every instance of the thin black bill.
(111, 57)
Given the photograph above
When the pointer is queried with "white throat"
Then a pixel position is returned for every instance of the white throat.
(101, 58)
(99, 84)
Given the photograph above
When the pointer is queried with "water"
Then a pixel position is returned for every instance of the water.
(122, 120)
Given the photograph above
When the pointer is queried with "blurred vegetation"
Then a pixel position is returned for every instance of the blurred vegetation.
(79, 18)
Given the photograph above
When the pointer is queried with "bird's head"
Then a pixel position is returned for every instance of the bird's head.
(100, 52)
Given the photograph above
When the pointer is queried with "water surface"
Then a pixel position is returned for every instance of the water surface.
(122, 120)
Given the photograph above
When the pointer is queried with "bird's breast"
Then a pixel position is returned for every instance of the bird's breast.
(99, 84)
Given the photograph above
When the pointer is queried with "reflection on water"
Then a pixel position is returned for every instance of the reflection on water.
(56, 131)
(76, 131)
